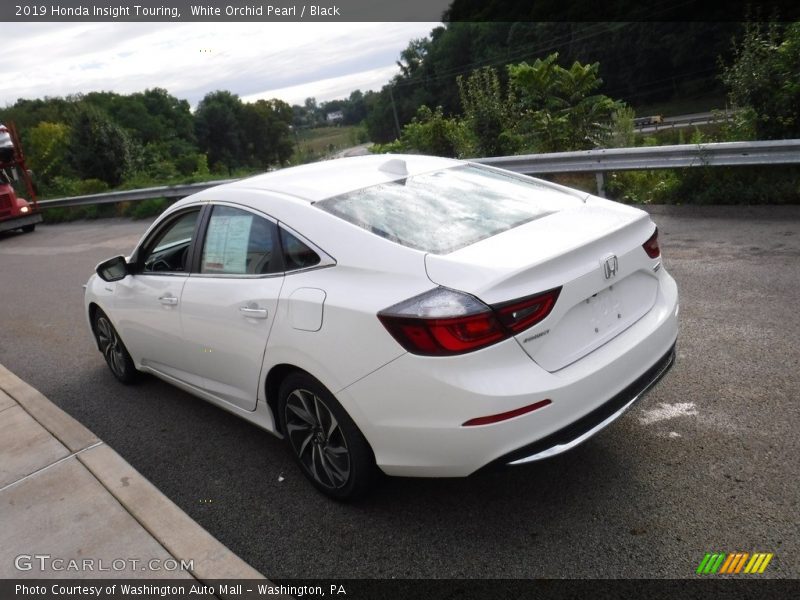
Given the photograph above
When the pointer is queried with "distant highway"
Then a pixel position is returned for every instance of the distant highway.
(690, 120)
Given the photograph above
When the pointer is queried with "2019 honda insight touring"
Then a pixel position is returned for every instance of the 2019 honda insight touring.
(413, 315)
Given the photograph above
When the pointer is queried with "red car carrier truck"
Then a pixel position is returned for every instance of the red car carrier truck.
(15, 212)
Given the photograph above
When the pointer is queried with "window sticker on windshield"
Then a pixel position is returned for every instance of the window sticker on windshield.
(226, 244)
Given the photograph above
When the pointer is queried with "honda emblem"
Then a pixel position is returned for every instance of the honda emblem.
(610, 266)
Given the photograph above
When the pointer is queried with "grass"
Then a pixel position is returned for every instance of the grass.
(317, 143)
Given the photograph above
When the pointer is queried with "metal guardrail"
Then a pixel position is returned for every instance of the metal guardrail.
(778, 152)
(653, 157)
(164, 191)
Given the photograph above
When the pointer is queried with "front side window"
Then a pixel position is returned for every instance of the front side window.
(168, 250)
(238, 242)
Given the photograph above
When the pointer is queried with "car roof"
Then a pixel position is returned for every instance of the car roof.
(321, 180)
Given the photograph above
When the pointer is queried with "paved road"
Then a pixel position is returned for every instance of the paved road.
(360, 150)
(708, 461)
(691, 120)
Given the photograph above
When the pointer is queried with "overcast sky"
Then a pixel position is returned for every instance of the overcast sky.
(290, 61)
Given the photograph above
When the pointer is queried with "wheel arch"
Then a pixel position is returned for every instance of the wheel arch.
(272, 385)
(92, 312)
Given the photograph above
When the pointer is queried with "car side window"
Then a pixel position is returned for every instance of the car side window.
(168, 250)
(296, 254)
(238, 242)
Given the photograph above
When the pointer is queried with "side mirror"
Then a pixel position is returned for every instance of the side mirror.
(113, 269)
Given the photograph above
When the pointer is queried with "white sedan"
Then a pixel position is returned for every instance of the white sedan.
(413, 315)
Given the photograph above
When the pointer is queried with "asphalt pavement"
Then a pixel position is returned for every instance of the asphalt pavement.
(708, 461)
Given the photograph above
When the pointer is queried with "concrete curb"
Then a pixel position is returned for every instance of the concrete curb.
(172, 528)
(62, 426)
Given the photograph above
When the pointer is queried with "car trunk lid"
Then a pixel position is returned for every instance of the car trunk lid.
(593, 251)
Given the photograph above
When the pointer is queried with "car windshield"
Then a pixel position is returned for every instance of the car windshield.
(442, 211)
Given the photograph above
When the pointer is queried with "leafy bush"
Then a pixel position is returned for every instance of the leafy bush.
(764, 79)
(430, 132)
(622, 133)
(643, 187)
(488, 114)
(147, 208)
(559, 108)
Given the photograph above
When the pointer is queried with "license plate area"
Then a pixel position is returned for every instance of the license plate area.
(594, 321)
(606, 310)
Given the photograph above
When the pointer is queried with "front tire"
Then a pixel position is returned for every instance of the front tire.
(113, 350)
(28, 228)
(323, 439)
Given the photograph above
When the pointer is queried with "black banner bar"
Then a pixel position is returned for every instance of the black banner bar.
(705, 587)
(276, 11)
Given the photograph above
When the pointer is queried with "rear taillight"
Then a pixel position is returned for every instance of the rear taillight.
(444, 322)
(651, 245)
(521, 314)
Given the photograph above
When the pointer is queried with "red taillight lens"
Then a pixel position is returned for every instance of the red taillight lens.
(519, 315)
(445, 322)
(651, 245)
(443, 337)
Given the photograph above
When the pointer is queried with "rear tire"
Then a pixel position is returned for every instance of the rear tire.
(324, 441)
(114, 351)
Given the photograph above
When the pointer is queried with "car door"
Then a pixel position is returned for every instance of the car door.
(229, 304)
(147, 304)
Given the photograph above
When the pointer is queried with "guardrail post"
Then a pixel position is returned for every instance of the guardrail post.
(600, 177)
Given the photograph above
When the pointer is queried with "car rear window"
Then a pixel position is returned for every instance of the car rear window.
(442, 211)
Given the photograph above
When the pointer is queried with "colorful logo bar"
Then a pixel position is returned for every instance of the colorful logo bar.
(720, 563)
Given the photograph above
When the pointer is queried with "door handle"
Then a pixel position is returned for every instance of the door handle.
(253, 313)
(168, 300)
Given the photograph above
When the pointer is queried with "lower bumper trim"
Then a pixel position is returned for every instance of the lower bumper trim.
(581, 430)
(18, 222)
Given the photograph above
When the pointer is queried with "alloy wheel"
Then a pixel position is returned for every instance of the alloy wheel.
(111, 346)
(317, 439)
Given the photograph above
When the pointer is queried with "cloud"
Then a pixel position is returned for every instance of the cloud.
(331, 88)
(192, 59)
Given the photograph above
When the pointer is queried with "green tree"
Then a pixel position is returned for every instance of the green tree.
(218, 131)
(558, 108)
(266, 135)
(488, 113)
(355, 109)
(172, 117)
(47, 147)
(764, 79)
(98, 148)
(380, 120)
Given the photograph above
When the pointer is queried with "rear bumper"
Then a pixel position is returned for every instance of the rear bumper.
(412, 410)
(18, 222)
(593, 423)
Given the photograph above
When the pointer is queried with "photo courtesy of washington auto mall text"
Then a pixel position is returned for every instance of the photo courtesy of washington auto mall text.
(108, 589)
